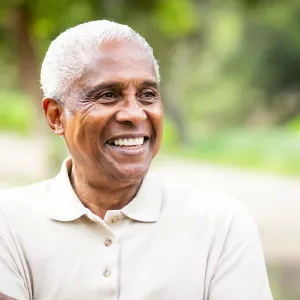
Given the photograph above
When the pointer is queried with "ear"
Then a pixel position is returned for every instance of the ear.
(53, 112)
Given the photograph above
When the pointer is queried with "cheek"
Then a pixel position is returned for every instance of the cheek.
(157, 116)
(82, 128)
(93, 121)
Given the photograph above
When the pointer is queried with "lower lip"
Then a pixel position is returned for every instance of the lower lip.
(127, 151)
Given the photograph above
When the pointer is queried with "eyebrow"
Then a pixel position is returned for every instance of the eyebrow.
(150, 83)
(117, 85)
(103, 86)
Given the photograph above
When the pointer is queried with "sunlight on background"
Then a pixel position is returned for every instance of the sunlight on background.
(231, 91)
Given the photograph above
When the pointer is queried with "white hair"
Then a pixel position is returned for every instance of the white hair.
(65, 60)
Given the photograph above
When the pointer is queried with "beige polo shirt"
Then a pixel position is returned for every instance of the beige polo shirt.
(168, 243)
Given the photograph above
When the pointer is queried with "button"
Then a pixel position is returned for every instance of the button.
(106, 273)
(108, 242)
(115, 219)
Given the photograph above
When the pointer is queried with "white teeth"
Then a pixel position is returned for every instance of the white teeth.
(128, 142)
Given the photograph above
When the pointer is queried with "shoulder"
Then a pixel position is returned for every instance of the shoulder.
(212, 208)
(20, 198)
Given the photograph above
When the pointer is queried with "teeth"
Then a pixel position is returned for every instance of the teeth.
(128, 142)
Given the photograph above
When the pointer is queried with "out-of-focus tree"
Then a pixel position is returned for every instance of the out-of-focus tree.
(29, 25)
(223, 63)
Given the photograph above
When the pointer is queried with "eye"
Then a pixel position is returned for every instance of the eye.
(107, 97)
(148, 96)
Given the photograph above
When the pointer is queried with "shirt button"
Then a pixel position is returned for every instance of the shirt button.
(106, 273)
(108, 242)
(115, 219)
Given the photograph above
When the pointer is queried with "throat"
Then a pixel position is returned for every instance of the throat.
(99, 202)
(107, 196)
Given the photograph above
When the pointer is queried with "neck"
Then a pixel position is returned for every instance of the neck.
(107, 194)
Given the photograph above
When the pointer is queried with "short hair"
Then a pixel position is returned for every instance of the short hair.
(64, 61)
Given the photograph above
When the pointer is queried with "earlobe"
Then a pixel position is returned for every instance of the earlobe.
(53, 112)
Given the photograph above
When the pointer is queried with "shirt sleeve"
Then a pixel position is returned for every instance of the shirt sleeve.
(12, 282)
(241, 272)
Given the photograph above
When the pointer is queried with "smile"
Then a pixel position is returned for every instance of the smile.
(128, 143)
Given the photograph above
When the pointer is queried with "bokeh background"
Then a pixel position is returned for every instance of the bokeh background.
(231, 90)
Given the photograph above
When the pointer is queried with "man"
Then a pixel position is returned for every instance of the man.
(105, 227)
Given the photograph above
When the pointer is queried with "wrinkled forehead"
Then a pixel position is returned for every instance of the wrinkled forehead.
(119, 61)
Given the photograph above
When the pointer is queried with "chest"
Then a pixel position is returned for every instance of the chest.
(131, 261)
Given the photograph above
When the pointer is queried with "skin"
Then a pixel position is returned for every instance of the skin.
(117, 97)
(5, 297)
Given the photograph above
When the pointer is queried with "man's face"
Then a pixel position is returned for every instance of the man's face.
(113, 122)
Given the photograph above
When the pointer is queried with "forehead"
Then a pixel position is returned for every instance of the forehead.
(119, 62)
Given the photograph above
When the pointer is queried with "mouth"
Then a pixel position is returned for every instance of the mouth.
(128, 143)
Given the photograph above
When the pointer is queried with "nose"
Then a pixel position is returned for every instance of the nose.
(131, 112)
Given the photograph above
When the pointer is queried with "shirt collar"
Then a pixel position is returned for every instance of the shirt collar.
(145, 206)
(64, 205)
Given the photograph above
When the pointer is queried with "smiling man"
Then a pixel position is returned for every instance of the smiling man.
(105, 227)
(110, 114)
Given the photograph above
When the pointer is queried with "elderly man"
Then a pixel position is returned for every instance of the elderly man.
(105, 227)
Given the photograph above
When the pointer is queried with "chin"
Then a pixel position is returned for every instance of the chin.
(133, 173)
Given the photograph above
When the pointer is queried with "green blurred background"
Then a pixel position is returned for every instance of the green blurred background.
(230, 79)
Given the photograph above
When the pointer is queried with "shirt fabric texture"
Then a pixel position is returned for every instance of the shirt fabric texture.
(168, 243)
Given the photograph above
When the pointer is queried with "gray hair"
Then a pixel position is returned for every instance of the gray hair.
(65, 59)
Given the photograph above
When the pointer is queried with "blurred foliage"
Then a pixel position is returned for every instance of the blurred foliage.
(274, 150)
(16, 112)
(230, 70)
(227, 62)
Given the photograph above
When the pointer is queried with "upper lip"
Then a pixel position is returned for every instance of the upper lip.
(129, 136)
